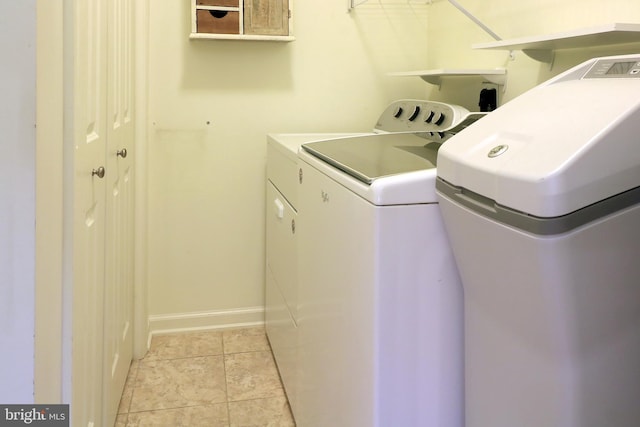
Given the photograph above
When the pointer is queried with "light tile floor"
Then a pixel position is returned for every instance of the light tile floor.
(213, 379)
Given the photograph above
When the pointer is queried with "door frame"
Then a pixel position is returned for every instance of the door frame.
(141, 329)
(50, 340)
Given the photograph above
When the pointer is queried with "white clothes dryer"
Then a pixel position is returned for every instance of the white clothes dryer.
(281, 288)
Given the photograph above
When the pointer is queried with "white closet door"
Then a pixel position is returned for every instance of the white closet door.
(88, 76)
(118, 328)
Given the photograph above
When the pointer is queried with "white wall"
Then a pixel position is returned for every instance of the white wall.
(451, 35)
(211, 105)
(212, 102)
(17, 200)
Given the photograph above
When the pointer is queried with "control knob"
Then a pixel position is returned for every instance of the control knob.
(415, 113)
(430, 116)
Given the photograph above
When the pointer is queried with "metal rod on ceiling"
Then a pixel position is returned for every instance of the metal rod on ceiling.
(354, 3)
(475, 20)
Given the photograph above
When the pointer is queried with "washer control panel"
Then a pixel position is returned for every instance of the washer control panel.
(615, 68)
(433, 120)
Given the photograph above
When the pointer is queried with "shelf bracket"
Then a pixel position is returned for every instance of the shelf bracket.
(434, 80)
(496, 79)
(541, 55)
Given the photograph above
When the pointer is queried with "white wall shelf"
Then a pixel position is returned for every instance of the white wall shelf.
(495, 75)
(254, 37)
(542, 48)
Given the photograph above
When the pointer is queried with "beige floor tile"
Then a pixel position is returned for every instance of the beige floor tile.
(243, 340)
(273, 412)
(182, 382)
(190, 344)
(167, 384)
(195, 416)
(252, 376)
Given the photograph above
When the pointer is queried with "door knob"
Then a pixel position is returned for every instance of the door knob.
(122, 153)
(98, 172)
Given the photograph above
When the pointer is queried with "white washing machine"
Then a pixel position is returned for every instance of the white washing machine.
(379, 303)
(281, 295)
(542, 205)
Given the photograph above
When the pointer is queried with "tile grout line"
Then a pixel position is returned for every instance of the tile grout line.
(133, 379)
(226, 382)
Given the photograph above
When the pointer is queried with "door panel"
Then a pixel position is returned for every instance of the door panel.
(102, 105)
(266, 17)
(119, 206)
(88, 75)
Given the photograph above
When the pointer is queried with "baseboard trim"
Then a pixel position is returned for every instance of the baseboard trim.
(206, 320)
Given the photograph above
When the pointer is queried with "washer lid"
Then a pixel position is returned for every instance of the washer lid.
(368, 158)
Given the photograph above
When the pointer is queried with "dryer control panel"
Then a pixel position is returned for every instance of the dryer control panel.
(433, 120)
